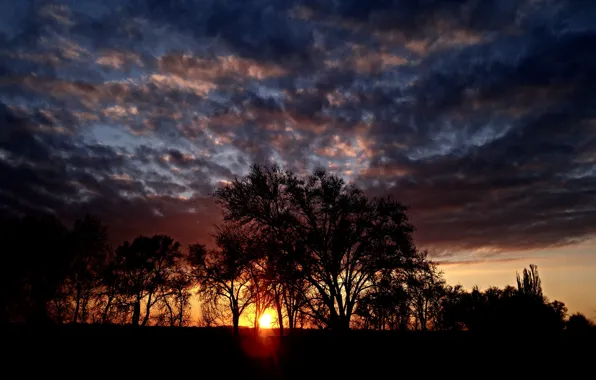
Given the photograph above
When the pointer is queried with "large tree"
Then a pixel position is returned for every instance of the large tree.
(341, 238)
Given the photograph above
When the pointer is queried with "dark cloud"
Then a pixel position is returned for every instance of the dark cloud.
(42, 170)
(477, 114)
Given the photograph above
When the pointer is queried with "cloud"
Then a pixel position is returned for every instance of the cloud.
(477, 114)
(447, 263)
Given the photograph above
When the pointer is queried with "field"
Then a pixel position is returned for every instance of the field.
(156, 352)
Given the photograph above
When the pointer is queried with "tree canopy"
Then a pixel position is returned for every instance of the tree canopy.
(340, 239)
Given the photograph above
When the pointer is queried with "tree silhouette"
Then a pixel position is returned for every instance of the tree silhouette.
(89, 243)
(509, 309)
(261, 287)
(385, 306)
(284, 279)
(226, 271)
(314, 248)
(175, 300)
(452, 312)
(579, 323)
(426, 287)
(110, 285)
(36, 260)
(530, 285)
(146, 268)
(290, 289)
(211, 313)
(348, 239)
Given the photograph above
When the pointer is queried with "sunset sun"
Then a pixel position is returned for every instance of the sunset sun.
(265, 321)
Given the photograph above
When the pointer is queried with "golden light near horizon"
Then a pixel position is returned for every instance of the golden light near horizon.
(266, 320)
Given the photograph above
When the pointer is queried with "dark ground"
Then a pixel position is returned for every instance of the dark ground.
(170, 353)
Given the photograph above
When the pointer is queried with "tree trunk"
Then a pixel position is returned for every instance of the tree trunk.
(256, 325)
(236, 321)
(181, 312)
(291, 321)
(78, 304)
(104, 315)
(147, 310)
(344, 323)
(172, 320)
(84, 307)
(280, 317)
(335, 322)
(136, 313)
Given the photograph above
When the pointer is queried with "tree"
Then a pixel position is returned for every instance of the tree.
(347, 239)
(261, 288)
(175, 302)
(290, 289)
(426, 287)
(452, 313)
(285, 283)
(110, 289)
(225, 272)
(558, 313)
(579, 323)
(211, 314)
(35, 262)
(530, 285)
(89, 244)
(146, 267)
(387, 306)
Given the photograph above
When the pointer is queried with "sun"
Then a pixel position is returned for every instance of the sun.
(265, 321)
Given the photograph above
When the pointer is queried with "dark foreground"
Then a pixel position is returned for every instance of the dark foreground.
(195, 353)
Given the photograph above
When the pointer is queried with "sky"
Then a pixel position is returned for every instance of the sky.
(478, 115)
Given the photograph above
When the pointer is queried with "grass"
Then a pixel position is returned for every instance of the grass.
(96, 351)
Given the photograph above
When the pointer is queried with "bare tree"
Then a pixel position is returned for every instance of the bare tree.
(175, 300)
(109, 290)
(145, 268)
(387, 305)
(427, 288)
(211, 314)
(89, 243)
(261, 289)
(225, 272)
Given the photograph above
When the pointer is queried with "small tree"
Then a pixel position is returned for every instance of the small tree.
(89, 244)
(579, 323)
(35, 263)
(530, 285)
(146, 268)
(175, 303)
(426, 287)
(110, 286)
(261, 289)
(225, 272)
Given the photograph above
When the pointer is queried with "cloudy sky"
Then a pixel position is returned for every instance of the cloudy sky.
(478, 114)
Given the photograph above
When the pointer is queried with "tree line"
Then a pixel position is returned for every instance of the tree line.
(312, 248)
